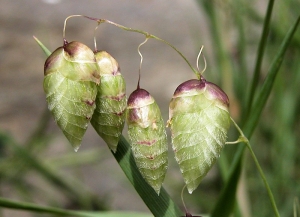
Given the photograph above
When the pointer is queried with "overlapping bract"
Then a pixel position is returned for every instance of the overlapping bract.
(199, 120)
(146, 131)
(109, 117)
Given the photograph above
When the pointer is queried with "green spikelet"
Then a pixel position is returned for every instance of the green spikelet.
(71, 74)
(109, 116)
(146, 131)
(199, 121)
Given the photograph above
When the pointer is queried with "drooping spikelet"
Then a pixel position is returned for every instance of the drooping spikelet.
(146, 131)
(109, 116)
(71, 76)
(199, 120)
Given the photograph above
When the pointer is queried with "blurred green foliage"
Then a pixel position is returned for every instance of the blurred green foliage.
(275, 138)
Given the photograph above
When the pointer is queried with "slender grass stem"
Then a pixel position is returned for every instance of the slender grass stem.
(243, 138)
(148, 35)
(260, 54)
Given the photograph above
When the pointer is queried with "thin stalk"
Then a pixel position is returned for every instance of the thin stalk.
(65, 24)
(148, 35)
(141, 62)
(244, 139)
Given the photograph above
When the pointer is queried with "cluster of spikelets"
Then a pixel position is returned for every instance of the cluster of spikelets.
(83, 86)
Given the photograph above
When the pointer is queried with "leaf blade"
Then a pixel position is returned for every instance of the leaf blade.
(46, 50)
(260, 54)
(31, 207)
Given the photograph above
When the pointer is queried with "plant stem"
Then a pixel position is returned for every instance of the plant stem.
(260, 54)
(244, 139)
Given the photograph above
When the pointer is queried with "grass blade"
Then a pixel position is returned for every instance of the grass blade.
(34, 208)
(228, 193)
(46, 50)
(63, 212)
(269, 81)
(260, 54)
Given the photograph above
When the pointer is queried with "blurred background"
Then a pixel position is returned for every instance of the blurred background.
(37, 164)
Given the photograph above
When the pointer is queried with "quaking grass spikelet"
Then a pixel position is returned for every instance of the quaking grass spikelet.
(199, 120)
(71, 76)
(146, 131)
(109, 117)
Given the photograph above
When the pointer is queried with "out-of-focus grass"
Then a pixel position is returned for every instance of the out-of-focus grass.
(275, 138)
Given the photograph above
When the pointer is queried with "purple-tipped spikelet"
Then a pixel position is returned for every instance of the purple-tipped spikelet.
(109, 116)
(71, 76)
(147, 135)
(199, 120)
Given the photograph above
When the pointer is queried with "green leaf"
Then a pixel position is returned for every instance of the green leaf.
(46, 51)
(228, 192)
